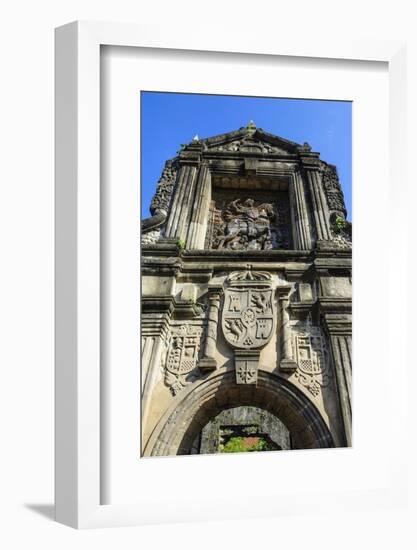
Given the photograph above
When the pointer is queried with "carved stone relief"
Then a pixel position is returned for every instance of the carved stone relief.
(333, 190)
(151, 237)
(246, 367)
(247, 317)
(248, 320)
(162, 197)
(342, 240)
(258, 222)
(247, 145)
(311, 356)
(182, 356)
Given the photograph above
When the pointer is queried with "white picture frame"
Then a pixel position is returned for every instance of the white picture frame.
(78, 405)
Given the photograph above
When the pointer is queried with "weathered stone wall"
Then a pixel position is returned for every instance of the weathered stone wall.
(243, 289)
(208, 441)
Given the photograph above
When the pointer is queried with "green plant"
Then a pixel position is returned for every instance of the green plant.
(180, 244)
(245, 444)
(339, 225)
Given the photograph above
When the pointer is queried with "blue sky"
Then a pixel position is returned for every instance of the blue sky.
(170, 119)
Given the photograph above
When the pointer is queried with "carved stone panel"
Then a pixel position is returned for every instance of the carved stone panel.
(162, 197)
(333, 190)
(182, 357)
(249, 145)
(312, 359)
(248, 317)
(240, 220)
(246, 364)
(248, 320)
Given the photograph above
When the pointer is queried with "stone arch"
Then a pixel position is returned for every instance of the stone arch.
(177, 429)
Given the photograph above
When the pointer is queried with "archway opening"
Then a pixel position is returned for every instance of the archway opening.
(177, 431)
(242, 429)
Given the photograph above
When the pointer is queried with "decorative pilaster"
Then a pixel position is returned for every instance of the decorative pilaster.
(287, 363)
(179, 215)
(339, 329)
(208, 362)
(320, 209)
(155, 323)
(301, 218)
(200, 209)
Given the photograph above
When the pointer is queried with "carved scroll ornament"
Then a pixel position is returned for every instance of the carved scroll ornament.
(333, 190)
(162, 197)
(152, 228)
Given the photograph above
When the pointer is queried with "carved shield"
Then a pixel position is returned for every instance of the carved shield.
(248, 317)
(183, 352)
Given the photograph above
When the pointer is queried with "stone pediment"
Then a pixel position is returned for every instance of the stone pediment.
(249, 140)
(248, 146)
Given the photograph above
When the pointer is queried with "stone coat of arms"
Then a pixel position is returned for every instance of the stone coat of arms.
(248, 317)
(182, 355)
(248, 320)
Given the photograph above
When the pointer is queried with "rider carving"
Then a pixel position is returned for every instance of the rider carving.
(246, 226)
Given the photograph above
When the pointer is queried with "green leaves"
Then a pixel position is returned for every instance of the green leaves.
(245, 444)
(180, 244)
(339, 224)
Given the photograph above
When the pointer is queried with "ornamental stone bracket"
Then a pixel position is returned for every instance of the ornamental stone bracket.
(248, 319)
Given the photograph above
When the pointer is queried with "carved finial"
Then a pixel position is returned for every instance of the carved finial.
(196, 138)
(306, 146)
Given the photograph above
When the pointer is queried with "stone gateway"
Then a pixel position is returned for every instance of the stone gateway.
(246, 265)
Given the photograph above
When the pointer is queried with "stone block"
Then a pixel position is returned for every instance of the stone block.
(288, 366)
(246, 365)
(207, 364)
(189, 293)
(305, 292)
(340, 287)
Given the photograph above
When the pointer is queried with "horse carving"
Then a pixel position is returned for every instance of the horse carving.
(246, 226)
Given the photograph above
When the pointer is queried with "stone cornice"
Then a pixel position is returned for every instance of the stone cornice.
(169, 306)
(330, 258)
(248, 255)
(334, 305)
(157, 304)
(323, 265)
(338, 323)
(167, 258)
(241, 155)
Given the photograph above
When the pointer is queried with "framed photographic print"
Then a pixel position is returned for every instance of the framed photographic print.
(204, 215)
